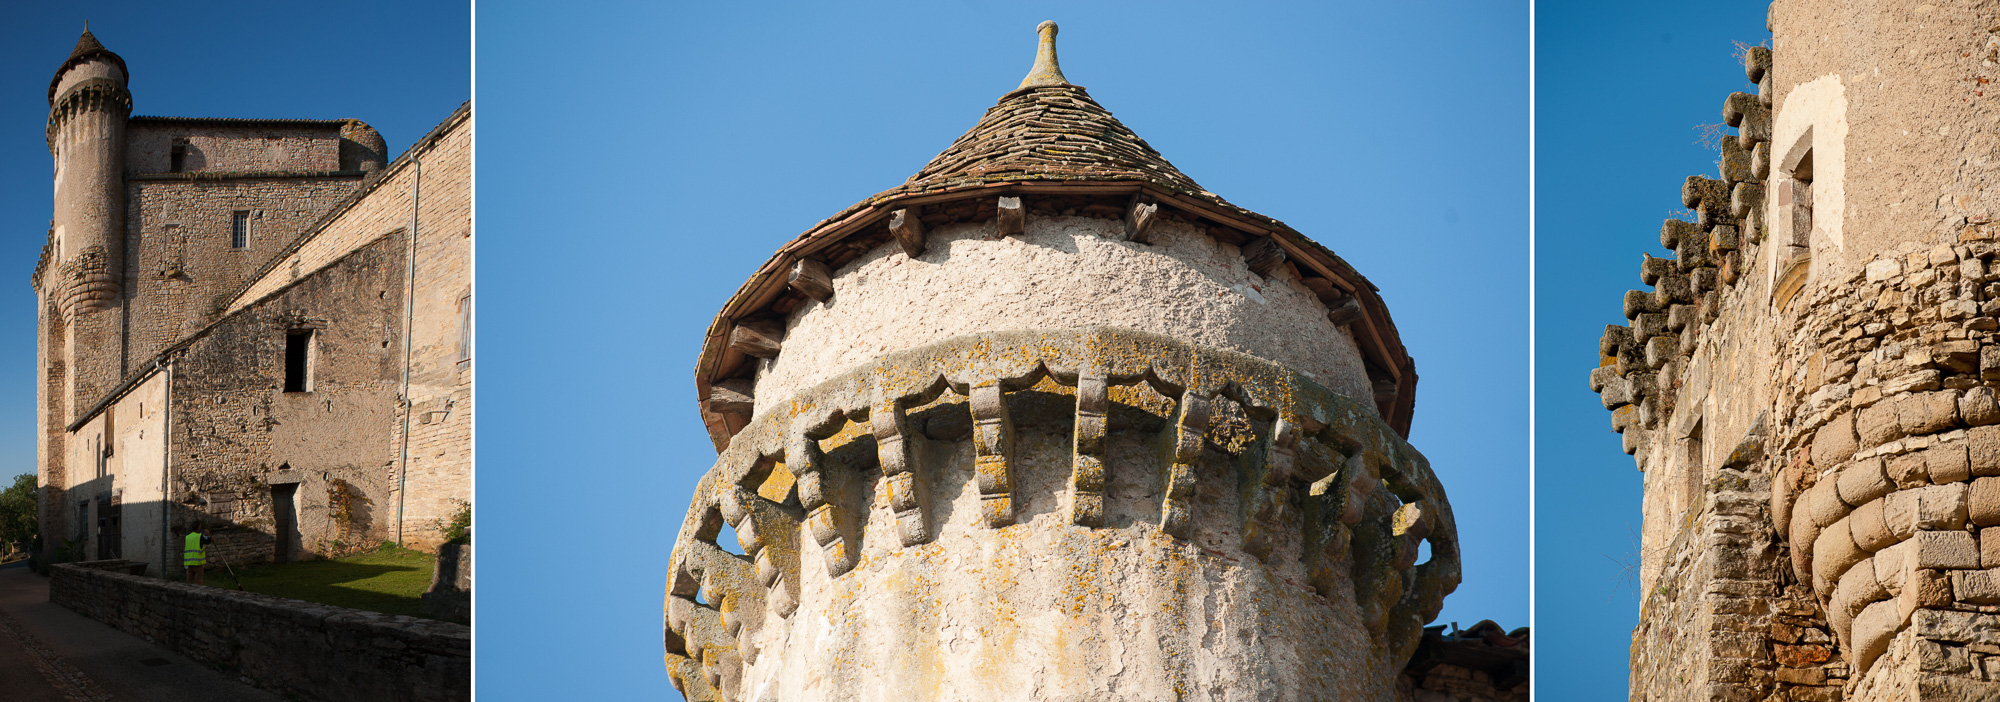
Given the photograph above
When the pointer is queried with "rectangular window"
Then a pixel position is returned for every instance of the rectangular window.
(464, 331)
(177, 159)
(298, 361)
(239, 230)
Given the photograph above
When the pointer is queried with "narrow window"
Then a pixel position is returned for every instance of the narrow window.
(1794, 228)
(239, 230)
(1696, 470)
(464, 331)
(298, 361)
(177, 158)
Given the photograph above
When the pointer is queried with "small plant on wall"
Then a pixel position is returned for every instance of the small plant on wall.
(457, 528)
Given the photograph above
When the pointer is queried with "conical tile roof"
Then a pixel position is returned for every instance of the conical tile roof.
(1048, 133)
(86, 47)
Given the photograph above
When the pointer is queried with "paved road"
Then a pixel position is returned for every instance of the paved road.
(50, 654)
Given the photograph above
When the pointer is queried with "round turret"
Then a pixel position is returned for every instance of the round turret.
(361, 147)
(1049, 416)
(88, 109)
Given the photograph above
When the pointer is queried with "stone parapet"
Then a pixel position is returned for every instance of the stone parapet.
(300, 649)
(1076, 501)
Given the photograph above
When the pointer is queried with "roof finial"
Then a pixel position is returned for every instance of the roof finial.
(1046, 71)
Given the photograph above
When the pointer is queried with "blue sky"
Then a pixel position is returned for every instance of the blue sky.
(637, 161)
(1620, 89)
(401, 67)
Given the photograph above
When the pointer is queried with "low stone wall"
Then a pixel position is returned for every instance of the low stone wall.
(300, 649)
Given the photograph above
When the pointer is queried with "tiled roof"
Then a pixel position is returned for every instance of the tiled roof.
(1046, 133)
(246, 121)
(86, 47)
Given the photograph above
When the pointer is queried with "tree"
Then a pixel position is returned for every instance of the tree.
(17, 511)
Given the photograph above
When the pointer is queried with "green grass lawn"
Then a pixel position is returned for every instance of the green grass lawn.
(389, 579)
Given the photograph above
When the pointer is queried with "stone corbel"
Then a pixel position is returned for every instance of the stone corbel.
(993, 447)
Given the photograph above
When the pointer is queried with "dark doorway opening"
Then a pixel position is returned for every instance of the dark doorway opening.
(284, 508)
(109, 536)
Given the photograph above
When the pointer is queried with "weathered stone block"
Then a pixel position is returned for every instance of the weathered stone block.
(1858, 588)
(1835, 441)
(1928, 412)
(1899, 512)
(1918, 381)
(1941, 507)
(1878, 424)
(1983, 449)
(1804, 533)
(1945, 550)
(1862, 481)
(1989, 547)
(1824, 504)
(1834, 552)
(1891, 566)
(1982, 501)
(1957, 626)
(1906, 470)
(1976, 586)
(1926, 588)
(1947, 463)
(1873, 629)
(1868, 529)
(1978, 407)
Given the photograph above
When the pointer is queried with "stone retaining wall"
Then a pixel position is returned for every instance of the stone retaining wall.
(299, 649)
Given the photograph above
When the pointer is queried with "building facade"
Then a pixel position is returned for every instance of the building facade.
(1809, 382)
(1050, 421)
(259, 329)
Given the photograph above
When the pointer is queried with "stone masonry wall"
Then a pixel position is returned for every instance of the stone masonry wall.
(237, 433)
(440, 370)
(232, 146)
(1182, 283)
(299, 649)
(1810, 384)
(180, 267)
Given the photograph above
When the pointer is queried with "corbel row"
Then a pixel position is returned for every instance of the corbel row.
(93, 95)
(1710, 253)
(1363, 523)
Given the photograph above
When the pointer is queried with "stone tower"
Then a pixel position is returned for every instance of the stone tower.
(1809, 382)
(1050, 421)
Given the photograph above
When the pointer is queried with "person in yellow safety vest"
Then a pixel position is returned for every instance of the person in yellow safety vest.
(194, 555)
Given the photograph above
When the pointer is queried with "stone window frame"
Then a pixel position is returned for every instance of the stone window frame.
(239, 230)
(1793, 234)
(177, 151)
(465, 331)
(1694, 460)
